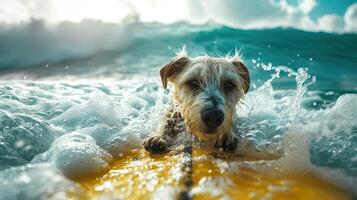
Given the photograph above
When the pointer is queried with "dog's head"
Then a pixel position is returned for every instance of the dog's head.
(206, 91)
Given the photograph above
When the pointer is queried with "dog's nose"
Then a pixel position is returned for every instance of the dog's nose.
(212, 118)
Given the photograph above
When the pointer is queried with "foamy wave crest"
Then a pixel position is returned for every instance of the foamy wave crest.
(39, 43)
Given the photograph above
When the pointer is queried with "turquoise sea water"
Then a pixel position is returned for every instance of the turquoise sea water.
(73, 97)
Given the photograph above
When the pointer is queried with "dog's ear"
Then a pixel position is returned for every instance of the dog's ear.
(172, 69)
(244, 73)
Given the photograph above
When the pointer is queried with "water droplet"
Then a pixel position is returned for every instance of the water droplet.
(20, 144)
(28, 147)
(329, 93)
(107, 184)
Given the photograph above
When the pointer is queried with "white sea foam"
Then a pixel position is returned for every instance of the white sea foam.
(32, 182)
(76, 155)
(92, 123)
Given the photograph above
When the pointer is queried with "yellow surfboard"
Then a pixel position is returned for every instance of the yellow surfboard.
(201, 174)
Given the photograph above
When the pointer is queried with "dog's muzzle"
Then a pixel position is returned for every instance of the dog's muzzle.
(212, 118)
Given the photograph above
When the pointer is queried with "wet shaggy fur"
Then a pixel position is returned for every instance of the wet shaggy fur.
(198, 84)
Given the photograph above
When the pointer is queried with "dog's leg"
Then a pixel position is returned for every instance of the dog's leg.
(228, 142)
(162, 140)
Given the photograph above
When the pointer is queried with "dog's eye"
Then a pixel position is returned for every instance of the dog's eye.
(193, 84)
(228, 86)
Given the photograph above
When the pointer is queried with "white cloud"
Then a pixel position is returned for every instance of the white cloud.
(331, 23)
(351, 18)
(337, 24)
(54, 11)
(306, 6)
(12, 11)
(306, 23)
(237, 13)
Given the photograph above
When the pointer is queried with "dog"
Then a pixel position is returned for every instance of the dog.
(206, 91)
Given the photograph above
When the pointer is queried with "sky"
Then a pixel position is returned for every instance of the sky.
(338, 16)
(325, 7)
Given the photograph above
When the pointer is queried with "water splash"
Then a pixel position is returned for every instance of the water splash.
(62, 120)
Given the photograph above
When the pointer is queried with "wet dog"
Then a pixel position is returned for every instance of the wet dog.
(206, 91)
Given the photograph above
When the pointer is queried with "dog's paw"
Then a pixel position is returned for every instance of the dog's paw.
(155, 144)
(227, 142)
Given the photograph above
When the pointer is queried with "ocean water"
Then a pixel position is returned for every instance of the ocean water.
(75, 96)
